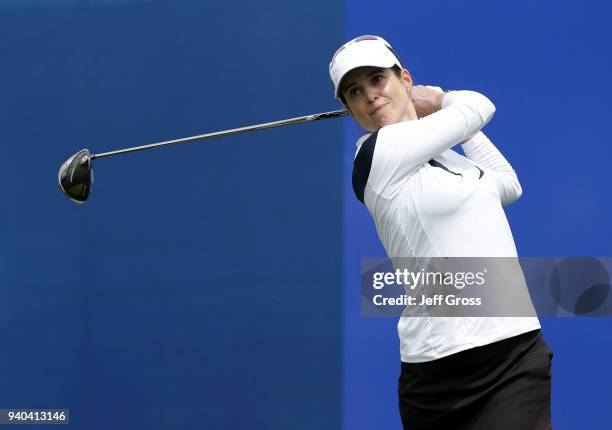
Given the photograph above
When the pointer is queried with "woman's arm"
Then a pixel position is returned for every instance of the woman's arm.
(390, 155)
(482, 151)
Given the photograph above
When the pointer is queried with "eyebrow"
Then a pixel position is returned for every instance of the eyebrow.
(377, 70)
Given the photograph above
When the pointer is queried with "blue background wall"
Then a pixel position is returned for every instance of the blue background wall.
(201, 286)
(546, 66)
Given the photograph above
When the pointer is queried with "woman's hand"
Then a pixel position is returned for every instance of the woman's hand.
(426, 99)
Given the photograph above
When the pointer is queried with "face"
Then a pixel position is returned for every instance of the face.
(377, 97)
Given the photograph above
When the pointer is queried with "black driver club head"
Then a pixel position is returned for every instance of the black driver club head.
(76, 176)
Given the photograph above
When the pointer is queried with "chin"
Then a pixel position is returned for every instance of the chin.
(382, 124)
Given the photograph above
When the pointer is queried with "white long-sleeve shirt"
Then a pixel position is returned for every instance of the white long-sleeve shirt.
(429, 201)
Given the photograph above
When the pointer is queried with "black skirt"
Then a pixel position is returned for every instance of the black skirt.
(501, 386)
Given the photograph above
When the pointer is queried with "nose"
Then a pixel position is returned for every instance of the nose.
(371, 94)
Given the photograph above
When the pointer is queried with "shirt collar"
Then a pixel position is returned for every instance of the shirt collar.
(362, 139)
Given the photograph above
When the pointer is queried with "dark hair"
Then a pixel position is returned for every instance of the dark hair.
(396, 69)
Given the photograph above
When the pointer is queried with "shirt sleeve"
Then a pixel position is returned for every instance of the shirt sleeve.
(482, 151)
(396, 150)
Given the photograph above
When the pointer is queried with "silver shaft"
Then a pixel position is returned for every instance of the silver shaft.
(290, 121)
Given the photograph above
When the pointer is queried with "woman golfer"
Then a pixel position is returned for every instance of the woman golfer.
(428, 201)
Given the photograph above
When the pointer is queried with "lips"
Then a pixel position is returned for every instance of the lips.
(378, 108)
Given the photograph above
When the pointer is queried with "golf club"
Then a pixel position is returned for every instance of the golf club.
(75, 176)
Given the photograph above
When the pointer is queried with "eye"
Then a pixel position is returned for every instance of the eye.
(353, 92)
(377, 78)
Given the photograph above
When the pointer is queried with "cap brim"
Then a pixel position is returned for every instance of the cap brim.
(360, 55)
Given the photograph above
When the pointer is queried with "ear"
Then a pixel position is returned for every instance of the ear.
(348, 109)
(406, 79)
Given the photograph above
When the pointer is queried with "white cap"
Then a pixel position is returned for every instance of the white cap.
(361, 51)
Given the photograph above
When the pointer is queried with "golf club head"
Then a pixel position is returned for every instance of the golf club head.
(76, 176)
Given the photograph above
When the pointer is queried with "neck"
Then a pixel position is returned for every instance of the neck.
(409, 113)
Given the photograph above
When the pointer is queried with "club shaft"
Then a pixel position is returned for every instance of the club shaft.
(290, 121)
